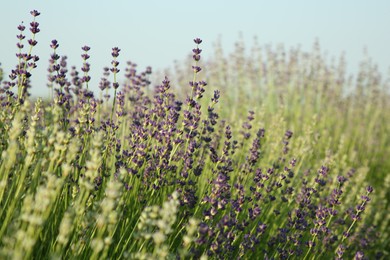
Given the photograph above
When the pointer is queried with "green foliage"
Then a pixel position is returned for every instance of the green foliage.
(1, 74)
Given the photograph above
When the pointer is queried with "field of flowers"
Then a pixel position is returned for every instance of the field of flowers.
(274, 154)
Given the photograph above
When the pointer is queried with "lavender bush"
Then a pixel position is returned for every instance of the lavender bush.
(271, 158)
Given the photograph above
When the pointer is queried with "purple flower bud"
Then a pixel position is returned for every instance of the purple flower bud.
(85, 56)
(54, 44)
(256, 211)
(32, 65)
(341, 179)
(293, 162)
(369, 189)
(360, 208)
(114, 63)
(86, 78)
(35, 30)
(12, 76)
(311, 243)
(85, 48)
(35, 13)
(203, 228)
(86, 67)
(34, 27)
(314, 231)
(359, 255)
(20, 36)
(197, 41)
(54, 56)
(148, 70)
(365, 198)
(32, 42)
(346, 234)
(288, 134)
(323, 170)
(340, 250)
(196, 51)
(21, 27)
(115, 52)
(261, 228)
(196, 57)
(196, 69)
(250, 116)
(114, 70)
(216, 96)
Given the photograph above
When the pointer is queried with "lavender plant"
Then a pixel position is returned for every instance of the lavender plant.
(268, 159)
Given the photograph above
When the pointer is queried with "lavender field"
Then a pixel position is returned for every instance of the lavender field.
(275, 154)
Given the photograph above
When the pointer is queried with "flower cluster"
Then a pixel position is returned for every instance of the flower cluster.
(137, 171)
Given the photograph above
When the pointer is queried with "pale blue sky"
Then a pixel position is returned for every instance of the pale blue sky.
(158, 32)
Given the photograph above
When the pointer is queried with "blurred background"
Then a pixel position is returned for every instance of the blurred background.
(157, 33)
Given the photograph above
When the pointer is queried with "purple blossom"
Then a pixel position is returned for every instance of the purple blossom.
(54, 44)
(85, 48)
(288, 134)
(115, 52)
(21, 27)
(197, 41)
(35, 13)
(34, 27)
